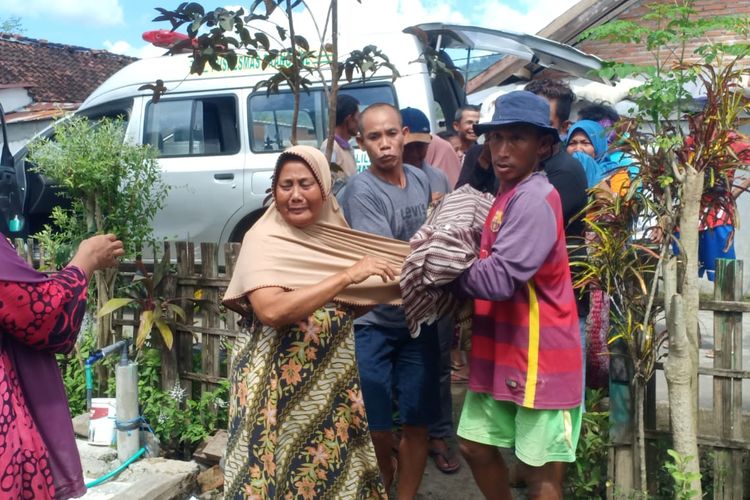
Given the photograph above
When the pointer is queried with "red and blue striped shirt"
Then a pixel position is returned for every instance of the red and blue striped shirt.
(526, 345)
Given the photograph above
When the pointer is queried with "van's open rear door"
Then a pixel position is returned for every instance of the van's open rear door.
(537, 51)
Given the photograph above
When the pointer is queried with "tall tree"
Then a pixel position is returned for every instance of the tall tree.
(259, 35)
(675, 177)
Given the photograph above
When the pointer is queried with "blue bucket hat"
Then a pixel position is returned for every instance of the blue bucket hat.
(520, 106)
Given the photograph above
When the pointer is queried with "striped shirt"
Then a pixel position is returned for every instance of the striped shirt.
(445, 246)
(525, 340)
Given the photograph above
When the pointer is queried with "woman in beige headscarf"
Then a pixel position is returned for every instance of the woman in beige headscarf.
(297, 422)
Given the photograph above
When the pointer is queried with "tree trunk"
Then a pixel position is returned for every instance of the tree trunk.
(639, 443)
(678, 371)
(333, 94)
(295, 74)
(692, 191)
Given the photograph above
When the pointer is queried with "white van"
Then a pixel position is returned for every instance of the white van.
(218, 140)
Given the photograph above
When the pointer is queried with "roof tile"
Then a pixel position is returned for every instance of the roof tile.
(54, 72)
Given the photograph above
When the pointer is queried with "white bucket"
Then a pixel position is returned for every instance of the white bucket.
(102, 421)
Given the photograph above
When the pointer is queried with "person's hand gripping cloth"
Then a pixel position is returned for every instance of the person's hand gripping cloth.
(445, 246)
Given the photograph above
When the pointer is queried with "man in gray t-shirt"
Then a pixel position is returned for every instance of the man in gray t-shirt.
(390, 199)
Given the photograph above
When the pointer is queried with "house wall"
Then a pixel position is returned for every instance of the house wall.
(634, 54)
(19, 134)
(13, 99)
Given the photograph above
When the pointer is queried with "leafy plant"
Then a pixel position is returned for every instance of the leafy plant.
(179, 422)
(683, 478)
(586, 478)
(216, 35)
(114, 187)
(12, 24)
(146, 295)
(72, 371)
(681, 178)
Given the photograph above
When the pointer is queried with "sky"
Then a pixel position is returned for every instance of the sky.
(117, 25)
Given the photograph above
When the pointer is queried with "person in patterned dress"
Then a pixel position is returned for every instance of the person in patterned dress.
(40, 315)
(297, 422)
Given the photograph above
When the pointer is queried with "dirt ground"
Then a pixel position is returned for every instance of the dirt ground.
(459, 485)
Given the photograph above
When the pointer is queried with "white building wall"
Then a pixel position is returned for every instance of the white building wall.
(14, 99)
(19, 134)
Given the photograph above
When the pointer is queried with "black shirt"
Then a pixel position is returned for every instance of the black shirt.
(481, 179)
(566, 174)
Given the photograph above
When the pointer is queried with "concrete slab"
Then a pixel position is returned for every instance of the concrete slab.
(149, 478)
(96, 460)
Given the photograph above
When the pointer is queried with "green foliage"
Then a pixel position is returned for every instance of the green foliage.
(666, 30)
(672, 169)
(73, 375)
(586, 478)
(12, 25)
(682, 479)
(114, 186)
(147, 298)
(179, 423)
(58, 243)
(215, 36)
(226, 31)
(661, 150)
(624, 270)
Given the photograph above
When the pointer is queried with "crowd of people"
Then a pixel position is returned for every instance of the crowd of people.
(335, 391)
(339, 386)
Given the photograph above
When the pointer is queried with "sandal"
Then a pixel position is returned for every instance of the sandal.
(459, 373)
(445, 460)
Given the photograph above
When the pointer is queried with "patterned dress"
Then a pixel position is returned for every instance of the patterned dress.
(46, 316)
(297, 424)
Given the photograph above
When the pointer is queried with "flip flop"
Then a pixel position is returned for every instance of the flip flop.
(442, 461)
(458, 378)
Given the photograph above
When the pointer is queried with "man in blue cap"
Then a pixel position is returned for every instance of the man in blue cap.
(416, 142)
(525, 382)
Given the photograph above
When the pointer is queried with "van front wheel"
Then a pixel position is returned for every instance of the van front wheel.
(238, 233)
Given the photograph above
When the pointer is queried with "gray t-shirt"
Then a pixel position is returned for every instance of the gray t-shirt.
(375, 206)
(438, 180)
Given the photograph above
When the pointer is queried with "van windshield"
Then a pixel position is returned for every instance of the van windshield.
(270, 115)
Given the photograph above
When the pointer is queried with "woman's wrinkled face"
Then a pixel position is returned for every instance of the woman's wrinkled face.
(299, 199)
(579, 141)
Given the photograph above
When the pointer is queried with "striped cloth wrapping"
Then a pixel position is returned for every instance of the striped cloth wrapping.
(445, 246)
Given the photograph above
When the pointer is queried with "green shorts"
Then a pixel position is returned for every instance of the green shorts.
(539, 436)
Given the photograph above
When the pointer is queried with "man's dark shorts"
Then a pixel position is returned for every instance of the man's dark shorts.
(390, 360)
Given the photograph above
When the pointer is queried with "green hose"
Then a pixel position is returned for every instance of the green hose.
(121, 468)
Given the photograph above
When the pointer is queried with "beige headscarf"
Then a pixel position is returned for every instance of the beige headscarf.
(277, 254)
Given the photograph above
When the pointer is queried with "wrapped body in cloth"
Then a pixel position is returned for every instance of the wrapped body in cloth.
(445, 246)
